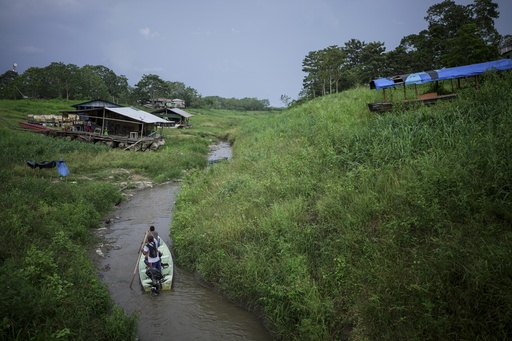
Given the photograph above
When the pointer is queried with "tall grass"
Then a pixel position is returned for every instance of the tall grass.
(336, 223)
(49, 286)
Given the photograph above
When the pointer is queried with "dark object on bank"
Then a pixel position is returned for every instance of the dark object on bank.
(43, 164)
(62, 169)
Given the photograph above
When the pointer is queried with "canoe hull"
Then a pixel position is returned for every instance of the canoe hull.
(167, 269)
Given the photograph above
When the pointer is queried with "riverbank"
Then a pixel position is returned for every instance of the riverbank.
(54, 216)
(189, 311)
(341, 224)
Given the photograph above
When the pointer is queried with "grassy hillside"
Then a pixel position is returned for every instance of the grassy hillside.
(337, 223)
(49, 287)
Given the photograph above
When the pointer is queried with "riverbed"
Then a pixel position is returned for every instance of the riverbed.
(189, 311)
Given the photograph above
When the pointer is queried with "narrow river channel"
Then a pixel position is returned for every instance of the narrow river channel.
(189, 311)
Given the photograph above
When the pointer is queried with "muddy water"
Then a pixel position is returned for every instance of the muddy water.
(219, 152)
(189, 311)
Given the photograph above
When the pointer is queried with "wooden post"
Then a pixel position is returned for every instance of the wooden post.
(103, 122)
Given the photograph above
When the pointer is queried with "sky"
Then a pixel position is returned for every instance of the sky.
(226, 48)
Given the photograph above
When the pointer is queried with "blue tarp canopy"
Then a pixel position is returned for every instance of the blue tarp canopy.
(441, 74)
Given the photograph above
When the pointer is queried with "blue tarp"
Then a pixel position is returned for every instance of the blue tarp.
(62, 168)
(441, 74)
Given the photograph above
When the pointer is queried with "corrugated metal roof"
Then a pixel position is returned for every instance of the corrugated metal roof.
(98, 103)
(138, 115)
(180, 112)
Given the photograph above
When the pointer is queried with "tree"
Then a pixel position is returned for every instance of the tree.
(484, 13)
(61, 80)
(150, 87)
(467, 47)
(311, 66)
(448, 24)
(372, 60)
(353, 49)
(33, 82)
(8, 87)
(285, 99)
(335, 68)
(333, 59)
(419, 49)
(181, 91)
(91, 84)
(398, 62)
(324, 71)
(117, 86)
(362, 61)
(444, 20)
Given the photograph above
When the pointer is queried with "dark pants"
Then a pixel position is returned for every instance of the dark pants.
(157, 265)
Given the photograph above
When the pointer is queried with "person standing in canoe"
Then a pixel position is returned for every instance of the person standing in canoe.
(152, 232)
(151, 253)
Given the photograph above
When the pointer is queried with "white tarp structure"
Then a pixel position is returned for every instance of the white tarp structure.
(137, 114)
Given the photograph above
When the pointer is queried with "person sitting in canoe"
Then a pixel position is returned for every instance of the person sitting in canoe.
(152, 254)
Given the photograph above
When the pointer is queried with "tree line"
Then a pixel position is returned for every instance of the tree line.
(70, 82)
(456, 35)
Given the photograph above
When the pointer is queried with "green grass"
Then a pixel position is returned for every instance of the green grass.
(332, 222)
(338, 223)
(47, 221)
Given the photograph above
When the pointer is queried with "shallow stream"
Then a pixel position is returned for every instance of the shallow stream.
(189, 311)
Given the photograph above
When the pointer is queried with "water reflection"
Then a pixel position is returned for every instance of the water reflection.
(189, 311)
(220, 152)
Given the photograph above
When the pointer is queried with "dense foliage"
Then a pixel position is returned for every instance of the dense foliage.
(68, 81)
(456, 35)
(339, 224)
(49, 286)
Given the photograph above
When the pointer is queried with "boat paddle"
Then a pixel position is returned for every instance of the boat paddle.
(138, 258)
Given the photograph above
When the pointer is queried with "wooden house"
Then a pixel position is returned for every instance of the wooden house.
(107, 118)
(175, 117)
(506, 52)
(178, 103)
(159, 103)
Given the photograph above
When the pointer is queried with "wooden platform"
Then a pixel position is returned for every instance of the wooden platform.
(427, 99)
(127, 142)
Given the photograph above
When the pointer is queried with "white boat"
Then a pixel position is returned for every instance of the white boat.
(152, 281)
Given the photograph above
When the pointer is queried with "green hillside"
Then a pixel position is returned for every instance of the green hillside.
(336, 223)
(332, 222)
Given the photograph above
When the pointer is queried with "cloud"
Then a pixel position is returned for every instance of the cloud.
(146, 33)
(398, 22)
(152, 69)
(30, 49)
(201, 32)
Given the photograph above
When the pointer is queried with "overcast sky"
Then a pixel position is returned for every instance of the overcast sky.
(227, 48)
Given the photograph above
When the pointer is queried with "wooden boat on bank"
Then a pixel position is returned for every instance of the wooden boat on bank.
(152, 280)
(457, 74)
